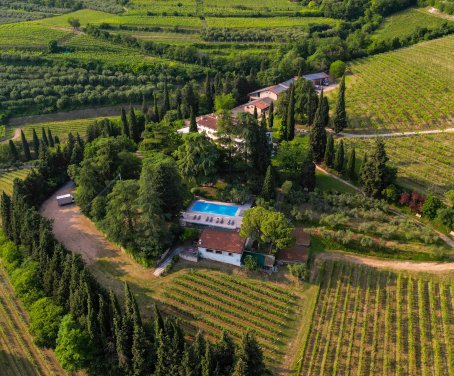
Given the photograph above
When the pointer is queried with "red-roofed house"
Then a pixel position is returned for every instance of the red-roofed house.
(222, 246)
(262, 105)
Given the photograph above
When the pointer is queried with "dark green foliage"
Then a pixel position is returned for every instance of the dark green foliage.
(250, 356)
(77, 155)
(271, 116)
(14, 154)
(291, 115)
(45, 318)
(193, 122)
(317, 135)
(325, 111)
(25, 146)
(339, 159)
(340, 116)
(124, 122)
(269, 184)
(5, 209)
(329, 152)
(134, 128)
(431, 206)
(308, 172)
(166, 105)
(44, 139)
(375, 175)
(350, 168)
(35, 143)
(50, 138)
(209, 93)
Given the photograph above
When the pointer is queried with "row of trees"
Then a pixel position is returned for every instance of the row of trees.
(86, 324)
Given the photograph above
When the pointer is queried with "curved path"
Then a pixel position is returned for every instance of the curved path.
(398, 265)
(395, 134)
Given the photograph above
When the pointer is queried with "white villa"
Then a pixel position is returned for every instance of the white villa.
(222, 246)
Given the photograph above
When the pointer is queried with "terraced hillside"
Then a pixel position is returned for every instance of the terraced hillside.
(425, 162)
(368, 322)
(411, 88)
(213, 301)
(7, 179)
(19, 356)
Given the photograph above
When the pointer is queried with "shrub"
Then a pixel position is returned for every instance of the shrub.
(390, 193)
(300, 271)
(12, 255)
(250, 263)
(337, 68)
(446, 217)
(431, 206)
(45, 318)
(189, 234)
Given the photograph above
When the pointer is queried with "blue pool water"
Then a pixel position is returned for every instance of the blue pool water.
(211, 208)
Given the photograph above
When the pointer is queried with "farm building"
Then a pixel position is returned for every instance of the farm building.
(299, 252)
(273, 91)
(318, 79)
(262, 105)
(222, 246)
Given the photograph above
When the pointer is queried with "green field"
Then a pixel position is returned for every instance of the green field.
(19, 356)
(28, 35)
(425, 162)
(405, 23)
(213, 301)
(7, 179)
(411, 88)
(58, 128)
(367, 322)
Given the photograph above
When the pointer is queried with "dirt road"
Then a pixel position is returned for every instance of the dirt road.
(80, 235)
(397, 265)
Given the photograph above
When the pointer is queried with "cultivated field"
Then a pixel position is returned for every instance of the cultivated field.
(425, 162)
(411, 88)
(18, 355)
(214, 301)
(7, 179)
(368, 322)
(405, 23)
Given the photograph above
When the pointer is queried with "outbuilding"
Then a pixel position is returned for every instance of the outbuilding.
(222, 246)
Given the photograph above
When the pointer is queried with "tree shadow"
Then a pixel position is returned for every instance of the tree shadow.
(12, 364)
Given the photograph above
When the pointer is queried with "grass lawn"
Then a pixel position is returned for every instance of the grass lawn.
(327, 183)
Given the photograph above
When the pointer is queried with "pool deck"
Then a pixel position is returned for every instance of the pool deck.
(190, 217)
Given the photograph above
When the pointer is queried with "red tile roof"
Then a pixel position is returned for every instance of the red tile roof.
(301, 237)
(222, 241)
(209, 121)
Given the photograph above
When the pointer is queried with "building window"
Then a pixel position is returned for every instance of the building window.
(219, 252)
(209, 251)
(230, 254)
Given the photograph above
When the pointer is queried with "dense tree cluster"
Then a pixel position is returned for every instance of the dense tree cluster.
(96, 332)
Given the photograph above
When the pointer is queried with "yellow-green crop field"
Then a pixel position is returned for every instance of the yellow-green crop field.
(412, 88)
(368, 322)
(424, 162)
(7, 179)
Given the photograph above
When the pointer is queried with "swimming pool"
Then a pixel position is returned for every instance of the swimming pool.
(217, 209)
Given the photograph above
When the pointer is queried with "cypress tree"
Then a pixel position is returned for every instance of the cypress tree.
(50, 138)
(340, 157)
(241, 368)
(325, 111)
(144, 106)
(263, 152)
(35, 143)
(139, 352)
(351, 164)
(158, 322)
(256, 115)
(77, 155)
(13, 151)
(134, 129)
(317, 135)
(209, 93)
(156, 115)
(250, 353)
(269, 184)
(25, 146)
(44, 137)
(340, 116)
(271, 116)
(57, 140)
(207, 361)
(224, 354)
(124, 122)
(5, 207)
(329, 152)
(312, 105)
(291, 115)
(308, 172)
(193, 123)
(166, 106)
